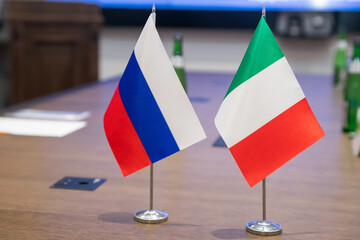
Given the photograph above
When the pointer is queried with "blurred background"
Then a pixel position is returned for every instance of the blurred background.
(49, 46)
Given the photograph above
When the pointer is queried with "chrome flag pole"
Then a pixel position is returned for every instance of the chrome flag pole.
(151, 185)
(264, 227)
(151, 215)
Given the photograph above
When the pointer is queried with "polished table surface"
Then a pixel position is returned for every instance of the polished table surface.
(314, 196)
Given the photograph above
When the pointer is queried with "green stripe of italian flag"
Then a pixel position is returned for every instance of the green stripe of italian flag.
(265, 119)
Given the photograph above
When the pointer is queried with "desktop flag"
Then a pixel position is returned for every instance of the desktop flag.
(150, 116)
(265, 119)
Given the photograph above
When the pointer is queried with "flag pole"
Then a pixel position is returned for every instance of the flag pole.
(264, 198)
(151, 185)
(263, 227)
(151, 215)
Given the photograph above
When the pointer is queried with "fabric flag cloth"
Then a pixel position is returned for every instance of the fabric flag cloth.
(150, 116)
(265, 119)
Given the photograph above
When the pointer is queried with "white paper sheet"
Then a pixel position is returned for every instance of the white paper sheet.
(49, 114)
(41, 128)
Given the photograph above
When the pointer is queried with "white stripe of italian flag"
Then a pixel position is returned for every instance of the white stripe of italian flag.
(265, 119)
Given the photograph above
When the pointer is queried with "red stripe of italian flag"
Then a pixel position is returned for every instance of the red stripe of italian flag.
(265, 119)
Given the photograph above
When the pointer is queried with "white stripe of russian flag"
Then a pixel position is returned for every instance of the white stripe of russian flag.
(166, 87)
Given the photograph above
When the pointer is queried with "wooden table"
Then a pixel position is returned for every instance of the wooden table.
(314, 196)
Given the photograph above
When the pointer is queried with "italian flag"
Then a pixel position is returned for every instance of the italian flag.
(265, 119)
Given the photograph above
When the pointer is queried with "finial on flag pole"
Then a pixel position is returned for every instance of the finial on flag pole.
(154, 12)
(263, 13)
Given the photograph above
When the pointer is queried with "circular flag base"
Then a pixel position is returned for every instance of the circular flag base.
(150, 216)
(263, 228)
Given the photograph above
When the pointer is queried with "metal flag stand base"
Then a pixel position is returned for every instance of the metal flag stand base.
(263, 227)
(151, 215)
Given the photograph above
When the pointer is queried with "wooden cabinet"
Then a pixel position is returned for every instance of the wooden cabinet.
(54, 46)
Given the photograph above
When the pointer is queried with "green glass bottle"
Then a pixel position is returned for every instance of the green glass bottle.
(351, 123)
(352, 89)
(178, 60)
(340, 59)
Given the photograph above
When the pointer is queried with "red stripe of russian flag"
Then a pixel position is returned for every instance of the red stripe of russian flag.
(128, 149)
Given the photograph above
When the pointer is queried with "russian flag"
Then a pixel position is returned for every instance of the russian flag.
(150, 116)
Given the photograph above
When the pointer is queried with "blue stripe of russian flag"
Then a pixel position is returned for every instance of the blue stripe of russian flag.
(145, 114)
